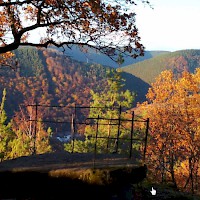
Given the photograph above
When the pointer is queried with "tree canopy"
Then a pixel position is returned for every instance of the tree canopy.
(174, 140)
(105, 104)
(108, 26)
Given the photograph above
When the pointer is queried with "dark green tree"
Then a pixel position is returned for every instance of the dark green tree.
(6, 134)
(105, 104)
(120, 60)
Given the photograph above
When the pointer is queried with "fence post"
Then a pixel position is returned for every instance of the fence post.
(118, 132)
(72, 133)
(131, 145)
(96, 137)
(73, 127)
(108, 136)
(35, 131)
(145, 140)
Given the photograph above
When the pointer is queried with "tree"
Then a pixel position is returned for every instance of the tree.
(6, 134)
(105, 104)
(174, 145)
(120, 60)
(69, 22)
(30, 134)
(6, 59)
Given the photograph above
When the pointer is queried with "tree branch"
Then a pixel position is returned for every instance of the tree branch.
(77, 22)
(14, 3)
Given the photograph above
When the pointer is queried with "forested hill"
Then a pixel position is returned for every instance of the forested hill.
(51, 78)
(178, 61)
(48, 76)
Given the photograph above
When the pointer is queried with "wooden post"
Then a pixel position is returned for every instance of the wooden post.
(74, 127)
(35, 131)
(118, 132)
(131, 144)
(108, 139)
(145, 140)
(72, 132)
(96, 137)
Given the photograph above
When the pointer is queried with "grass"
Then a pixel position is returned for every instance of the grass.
(163, 192)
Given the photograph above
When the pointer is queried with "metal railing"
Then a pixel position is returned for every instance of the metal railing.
(134, 127)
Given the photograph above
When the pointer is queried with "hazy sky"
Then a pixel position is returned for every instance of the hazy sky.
(172, 24)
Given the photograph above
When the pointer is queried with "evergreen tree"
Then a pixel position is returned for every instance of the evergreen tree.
(6, 133)
(20, 145)
(120, 60)
(42, 139)
(105, 104)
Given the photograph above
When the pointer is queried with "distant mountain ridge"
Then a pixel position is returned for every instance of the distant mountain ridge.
(91, 56)
(177, 61)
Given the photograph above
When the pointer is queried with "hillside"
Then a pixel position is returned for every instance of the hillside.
(178, 61)
(52, 78)
(92, 56)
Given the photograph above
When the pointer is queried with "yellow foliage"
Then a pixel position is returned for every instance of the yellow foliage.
(174, 114)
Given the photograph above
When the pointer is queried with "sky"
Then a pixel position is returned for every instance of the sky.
(171, 25)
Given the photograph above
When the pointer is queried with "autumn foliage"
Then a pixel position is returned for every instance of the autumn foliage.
(68, 22)
(174, 141)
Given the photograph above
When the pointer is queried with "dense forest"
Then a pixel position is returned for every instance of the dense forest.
(54, 78)
(50, 78)
(165, 89)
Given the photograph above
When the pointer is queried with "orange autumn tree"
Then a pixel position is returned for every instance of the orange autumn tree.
(174, 142)
(5, 58)
(107, 27)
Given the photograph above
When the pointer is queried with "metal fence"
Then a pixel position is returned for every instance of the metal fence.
(119, 132)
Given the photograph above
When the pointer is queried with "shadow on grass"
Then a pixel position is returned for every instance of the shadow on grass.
(36, 185)
(83, 183)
